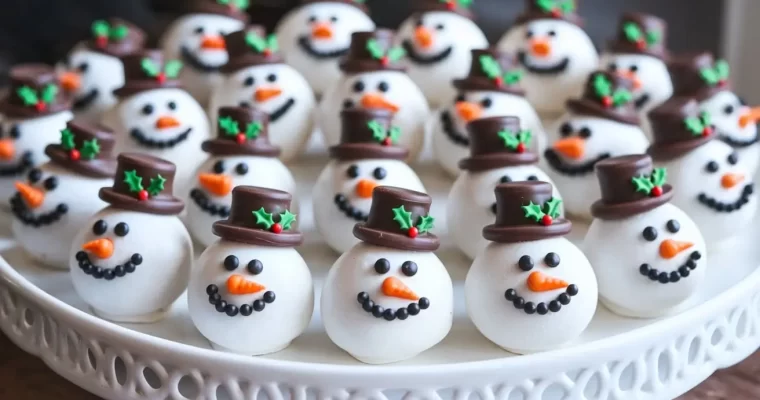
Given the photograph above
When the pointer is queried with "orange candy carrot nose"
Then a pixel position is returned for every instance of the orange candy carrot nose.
(423, 36)
(364, 188)
(730, 180)
(468, 111)
(572, 147)
(265, 94)
(236, 284)
(393, 287)
(218, 184)
(322, 30)
(32, 196)
(750, 116)
(670, 248)
(101, 248)
(166, 122)
(539, 282)
(374, 101)
(540, 47)
(214, 42)
(7, 149)
(70, 81)
(632, 77)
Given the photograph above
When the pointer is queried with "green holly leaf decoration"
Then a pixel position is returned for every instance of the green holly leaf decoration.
(28, 95)
(403, 217)
(263, 218)
(533, 211)
(552, 207)
(272, 44)
(133, 180)
(375, 49)
(513, 77)
(602, 85)
(564, 6)
(709, 76)
(513, 141)
(287, 219)
(396, 53)
(90, 149)
(394, 134)
(253, 130)
(156, 185)
(229, 126)
(490, 66)
(255, 42)
(100, 28)
(632, 32)
(706, 118)
(425, 224)
(722, 69)
(653, 37)
(694, 125)
(378, 131)
(567, 6)
(242, 5)
(49, 93)
(719, 73)
(223, 2)
(172, 68)
(659, 176)
(621, 96)
(460, 3)
(149, 67)
(118, 32)
(643, 184)
(67, 139)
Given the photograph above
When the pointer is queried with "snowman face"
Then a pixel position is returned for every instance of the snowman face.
(277, 89)
(382, 89)
(23, 141)
(91, 77)
(482, 184)
(552, 47)
(650, 76)
(430, 38)
(113, 244)
(734, 121)
(44, 198)
(323, 30)
(199, 40)
(469, 106)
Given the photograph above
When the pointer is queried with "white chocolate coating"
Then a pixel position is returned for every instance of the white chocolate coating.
(726, 109)
(285, 273)
(495, 270)
(401, 91)
(187, 32)
(375, 340)
(333, 225)
(293, 128)
(98, 72)
(266, 172)
(617, 248)
(156, 283)
(471, 200)
(451, 33)
(321, 73)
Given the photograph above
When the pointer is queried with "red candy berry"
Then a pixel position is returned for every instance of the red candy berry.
(451, 5)
(267, 52)
(74, 155)
(276, 228)
(722, 83)
(40, 106)
(499, 81)
(546, 220)
(161, 78)
(387, 141)
(521, 148)
(707, 131)
(384, 61)
(142, 195)
(656, 191)
(412, 232)
(556, 13)
(101, 41)
(240, 138)
(607, 101)
(641, 44)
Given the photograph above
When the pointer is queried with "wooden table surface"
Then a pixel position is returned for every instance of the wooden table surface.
(24, 377)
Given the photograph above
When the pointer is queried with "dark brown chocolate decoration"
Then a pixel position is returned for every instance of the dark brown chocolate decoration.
(147, 167)
(82, 158)
(382, 230)
(34, 92)
(595, 103)
(215, 7)
(251, 138)
(639, 33)
(671, 135)
(423, 6)
(359, 58)
(243, 54)
(620, 197)
(132, 42)
(356, 3)
(358, 141)
(489, 147)
(687, 72)
(507, 81)
(137, 79)
(512, 225)
(242, 226)
(559, 9)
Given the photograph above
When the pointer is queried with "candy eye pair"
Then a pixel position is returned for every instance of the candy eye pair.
(240, 168)
(485, 103)
(379, 173)
(148, 109)
(249, 81)
(566, 130)
(13, 132)
(650, 233)
(408, 268)
(35, 176)
(526, 262)
(254, 266)
(713, 166)
(100, 227)
(507, 179)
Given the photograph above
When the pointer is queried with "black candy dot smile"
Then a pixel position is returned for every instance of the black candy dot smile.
(557, 68)
(25, 163)
(82, 102)
(142, 139)
(719, 206)
(344, 206)
(86, 265)
(222, 306)
(280, 112)
(390, 314)
(541, 308)
(641, 101)
(681, 272)
(451, 132)
(24, 214)
(189, 58)
(559, 165)
(304, 42)
(204, 202)
(421, 59)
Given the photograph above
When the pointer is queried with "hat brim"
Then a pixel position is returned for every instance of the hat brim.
(97, 168)
(472, 84)
(362, 66)
(670, 151)
(526, 233)
(585, 107)
(497, 160)
(163, 205)
(425, 242)
(11, 110)
(242, 234)
(624, 210)
(250, 60)
(222, 147)
(135, 86)
(361, 151)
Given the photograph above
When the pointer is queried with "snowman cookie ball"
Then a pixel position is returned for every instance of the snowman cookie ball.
(92, 70)
(530, 290)
(438, 39)
(133, 259)
(156, 116)
(639, 53)
(389, 298)
(58, 198)
(602, 123)
(555, 52)
(500, 152)
(240, 155)
(34, 111)
(367, 156)
(708, 81)
(713, 187)
(197, 38)
(648, 255)
(315, 35)
(252, 292)
(491, 89)
(257, 76)
(374, 78)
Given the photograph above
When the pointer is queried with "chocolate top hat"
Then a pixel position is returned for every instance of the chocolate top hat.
(639, 33)
(497, 142)
(241, 131)
(461, 7)
(492, 70)
(607, 96)
(235, 9)
(526, 211)
(85, 148)
(399, 219)
(549, 9)
(698, 75)
(372, 51)
(115, 37)
(33, 92)
(368, 134)
(259, 216)
(629, 186)
(251, 47)
(678, 126)
(357, 3)
(147, 69)
(143, 183)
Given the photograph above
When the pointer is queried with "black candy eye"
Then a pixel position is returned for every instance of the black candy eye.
(358, 86)
(231, 263)
(529, 34)
(439, 27)
(352, 171)
(51, 183)
(729, 109)
(83, 67)
(649, 233)
(383, 87)
(198, 30)
(733, 158)
(241, 169)
(532, 178)
(419, 23)
(633, 68)
(244, 104)
(673, 226)
(612, 67)
(255, 267)
(551, 259)
(333, 19)
(99, 227)
(147, 109)
(15, 132)
(585, 132)
(172, 105)
(249, 81)
(379, 173)
(566, 129)
(552, 33)
(121, 229)
(505, 179)
(34, 175)
(313, 18)
(272, 78)
(219, 167)
(711, 167)
(486, 103)
(460, 98)
(409, 268)
(348, 104)
(525, 263)
(382, 266)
